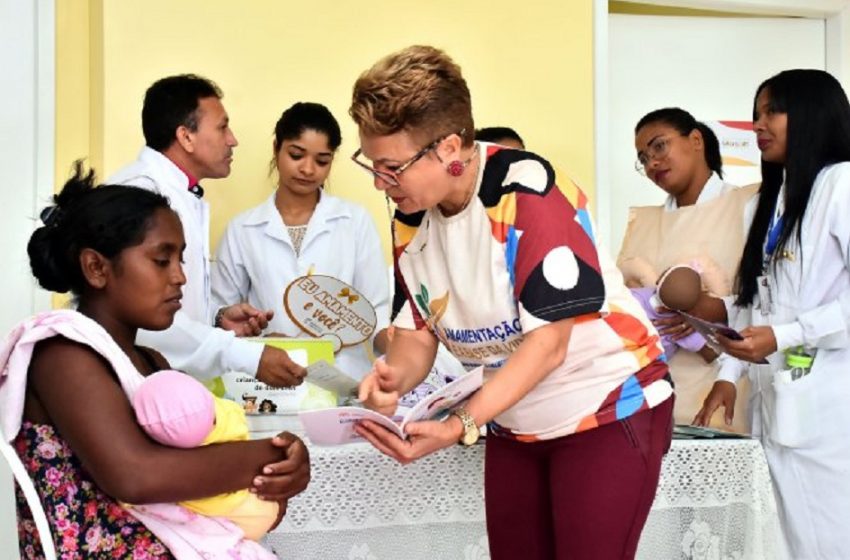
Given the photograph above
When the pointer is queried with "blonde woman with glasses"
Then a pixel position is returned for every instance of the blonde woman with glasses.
(496, 257)
(701, 224)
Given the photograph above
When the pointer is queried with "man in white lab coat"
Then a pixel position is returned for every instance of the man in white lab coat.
(188, 139)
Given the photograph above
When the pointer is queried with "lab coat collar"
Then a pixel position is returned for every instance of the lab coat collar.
(174, 175)
(328, 209)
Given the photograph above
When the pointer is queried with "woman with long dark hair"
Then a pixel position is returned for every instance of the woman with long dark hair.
(794, 290)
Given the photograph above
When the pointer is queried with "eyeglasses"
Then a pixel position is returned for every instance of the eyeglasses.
(390, 176)
(657, 149)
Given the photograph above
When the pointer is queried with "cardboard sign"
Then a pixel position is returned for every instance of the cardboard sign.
(328, 308)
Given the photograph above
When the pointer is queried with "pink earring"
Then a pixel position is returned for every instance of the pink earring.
(455, 168)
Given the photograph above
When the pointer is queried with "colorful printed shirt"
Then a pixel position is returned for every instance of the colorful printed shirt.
(521, 255)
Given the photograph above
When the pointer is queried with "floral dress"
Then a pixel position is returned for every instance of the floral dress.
(85, 522)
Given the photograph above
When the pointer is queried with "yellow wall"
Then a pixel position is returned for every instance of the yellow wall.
(73, 78)
(529, 67)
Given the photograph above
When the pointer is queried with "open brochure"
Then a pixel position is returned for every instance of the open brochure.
(335, 426)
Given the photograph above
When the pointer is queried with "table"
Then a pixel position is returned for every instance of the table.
(715, 501)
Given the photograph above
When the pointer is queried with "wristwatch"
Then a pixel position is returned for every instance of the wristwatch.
(470, 431)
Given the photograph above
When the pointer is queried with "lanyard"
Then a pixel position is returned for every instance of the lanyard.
(773, 236)
(764, 281)
(774, 229)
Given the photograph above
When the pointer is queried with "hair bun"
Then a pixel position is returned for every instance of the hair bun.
(51, 215)
(45, 260)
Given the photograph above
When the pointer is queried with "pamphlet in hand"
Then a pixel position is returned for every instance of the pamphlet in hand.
(710, 330)
(328, 377)
(335, 426)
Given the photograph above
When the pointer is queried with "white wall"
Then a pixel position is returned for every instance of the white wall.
(708, 66)
(26, 176)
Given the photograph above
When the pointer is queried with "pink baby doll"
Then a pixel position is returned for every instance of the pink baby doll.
(177, 410)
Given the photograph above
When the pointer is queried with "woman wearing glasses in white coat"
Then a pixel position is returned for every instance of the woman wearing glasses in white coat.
(301, 229)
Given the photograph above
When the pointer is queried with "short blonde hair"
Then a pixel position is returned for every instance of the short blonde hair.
(419, 89)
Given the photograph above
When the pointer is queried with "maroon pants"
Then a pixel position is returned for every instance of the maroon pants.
(582, 496)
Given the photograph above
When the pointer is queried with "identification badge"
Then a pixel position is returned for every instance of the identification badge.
(765, 289)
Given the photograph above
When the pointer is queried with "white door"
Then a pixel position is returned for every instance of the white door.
(26, 178)
(707, 66)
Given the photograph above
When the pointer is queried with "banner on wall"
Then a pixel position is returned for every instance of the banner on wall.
(740, 152)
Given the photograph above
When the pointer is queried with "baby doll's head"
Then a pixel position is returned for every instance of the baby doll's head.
(679, 288)
(174, 409)
(715, 280)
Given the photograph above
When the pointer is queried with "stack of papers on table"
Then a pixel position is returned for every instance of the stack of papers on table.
(685, 431)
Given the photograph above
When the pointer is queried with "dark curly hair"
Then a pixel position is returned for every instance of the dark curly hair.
(106, 218)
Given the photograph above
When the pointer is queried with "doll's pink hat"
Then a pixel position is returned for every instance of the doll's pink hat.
(174, 408)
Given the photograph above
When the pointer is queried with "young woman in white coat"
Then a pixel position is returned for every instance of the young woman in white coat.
(300, 229)
(794, 290)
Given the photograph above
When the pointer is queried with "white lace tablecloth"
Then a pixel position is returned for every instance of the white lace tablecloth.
(714, 501)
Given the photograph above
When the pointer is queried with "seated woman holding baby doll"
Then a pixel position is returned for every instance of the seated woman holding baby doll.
(69, 378)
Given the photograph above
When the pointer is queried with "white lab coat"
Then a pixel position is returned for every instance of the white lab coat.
(191, 343)
(812, 306)
(256, 261)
